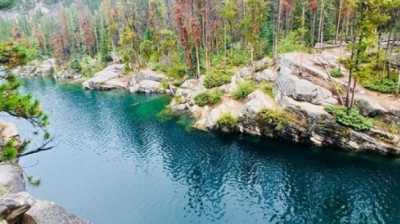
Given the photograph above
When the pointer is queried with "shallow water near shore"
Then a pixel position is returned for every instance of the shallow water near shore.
(116, 162)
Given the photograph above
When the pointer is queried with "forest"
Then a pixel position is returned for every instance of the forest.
(193, 37)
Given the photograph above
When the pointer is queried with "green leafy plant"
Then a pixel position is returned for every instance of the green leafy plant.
(210, 97)
(350, 118)
(227, 120)
(243, 90)
(336, 73)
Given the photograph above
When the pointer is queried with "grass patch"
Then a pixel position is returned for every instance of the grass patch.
(227, 120)
(210, 97)
(243, 90)
(275, 118)
(267, 88)
(350, 118)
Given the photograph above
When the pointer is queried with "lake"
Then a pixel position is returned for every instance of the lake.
(116, 162)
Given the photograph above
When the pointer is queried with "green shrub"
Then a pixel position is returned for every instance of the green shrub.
(90, 66)
(274, 118)
(350, 118)
(9, 151)
(383, 86)
(13, 54)
(75, 65)
(243, 90)
(292, 42)
(210, 97)
(227, 120)
(217, 77)
(336, 73)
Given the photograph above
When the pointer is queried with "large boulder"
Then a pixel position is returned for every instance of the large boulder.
(290, 85)
(268, 75)
(100, 80)
(36, 68)
(368, 106)
(257, 101)
(11, 178)
(147, 81)
(45, 212)
(207, 117)
(45, 68)
(254, 104)
(22, 208)
(14, 206)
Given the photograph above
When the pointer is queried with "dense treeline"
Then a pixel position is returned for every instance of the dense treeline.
(196, 37)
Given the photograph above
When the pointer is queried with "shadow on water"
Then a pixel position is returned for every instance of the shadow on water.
(115, 162)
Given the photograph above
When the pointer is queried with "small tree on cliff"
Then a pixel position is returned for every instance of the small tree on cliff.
(369, 15)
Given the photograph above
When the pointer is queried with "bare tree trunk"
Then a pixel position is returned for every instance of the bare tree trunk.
(197, 62)
(313, 28)
(339, 21)
(206, 36)
(321, 23)
(277, 30)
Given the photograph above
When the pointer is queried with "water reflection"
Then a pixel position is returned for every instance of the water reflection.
(117, 163)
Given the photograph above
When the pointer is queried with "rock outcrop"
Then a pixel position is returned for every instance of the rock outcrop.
(147, 81)
(302, 88)
(105, 79)
(36, 68)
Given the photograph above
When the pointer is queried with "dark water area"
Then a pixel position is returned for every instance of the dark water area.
(115, 162)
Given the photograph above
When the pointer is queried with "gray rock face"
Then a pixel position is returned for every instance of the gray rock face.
(146, 81)
(22, 208)
(369, 107)
(302, 90)
(11, 178)
(44, 212)
(265, 75)
(101, 78)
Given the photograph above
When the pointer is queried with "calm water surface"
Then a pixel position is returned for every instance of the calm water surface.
(116, 163)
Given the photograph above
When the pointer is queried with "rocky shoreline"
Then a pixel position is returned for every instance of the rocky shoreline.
(301, 88)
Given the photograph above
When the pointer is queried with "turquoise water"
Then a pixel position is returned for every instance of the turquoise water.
(116, 163)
